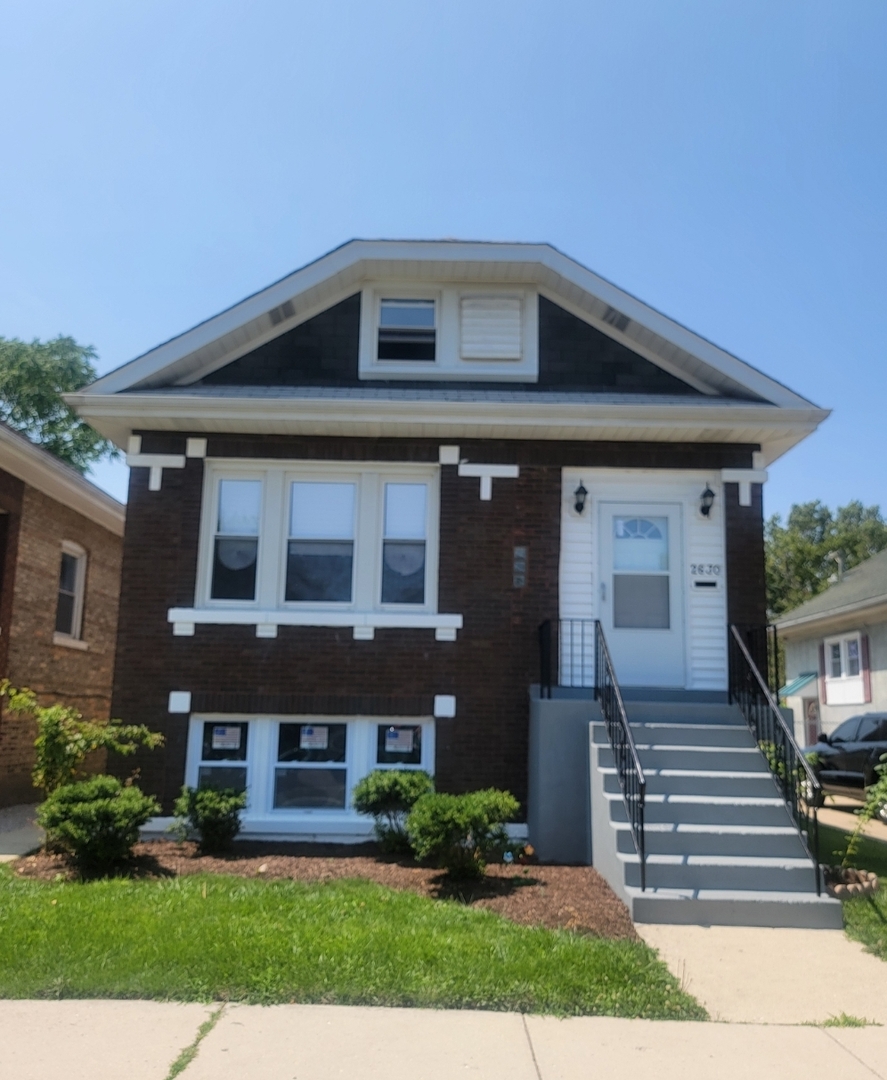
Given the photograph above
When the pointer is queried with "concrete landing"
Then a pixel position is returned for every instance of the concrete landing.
(762, 975)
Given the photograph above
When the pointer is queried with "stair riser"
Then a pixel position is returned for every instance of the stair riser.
(677, 713)
(726, 760)
(756, 911)
(682, 735)
(760, 787)
(676, 843)
(706, 813)
(760, 879)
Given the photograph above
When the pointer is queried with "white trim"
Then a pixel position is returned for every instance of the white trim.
(444, 706)
(744, 478)
(844, 689)
(79, 554)
(487, 473)
(448, 455)
(182, 618)
(155, 463)
(179, 701)
(69, 642)
(195, 448)
(775, 429)
(46, 474)
(342, 271)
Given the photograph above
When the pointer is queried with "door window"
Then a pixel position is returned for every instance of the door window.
(641, 594)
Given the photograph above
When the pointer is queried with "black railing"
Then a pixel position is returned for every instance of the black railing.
(763, 645)
(792, 772)
(572, 652)
(628, 765)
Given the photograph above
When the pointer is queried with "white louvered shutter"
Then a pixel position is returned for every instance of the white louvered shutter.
(491, 328)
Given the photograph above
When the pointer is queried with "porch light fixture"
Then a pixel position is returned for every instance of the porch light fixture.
(706, 501)
(580, 494)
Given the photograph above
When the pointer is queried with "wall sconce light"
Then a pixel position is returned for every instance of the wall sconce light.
(580, 495)
(706, 501)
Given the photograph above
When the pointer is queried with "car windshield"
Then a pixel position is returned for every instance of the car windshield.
(846, 732)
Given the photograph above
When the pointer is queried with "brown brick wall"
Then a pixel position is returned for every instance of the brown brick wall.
(81, 678)
(746, 582)
(489, 668)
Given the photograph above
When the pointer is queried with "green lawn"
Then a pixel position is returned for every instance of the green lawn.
(865, 917)
(234, 939)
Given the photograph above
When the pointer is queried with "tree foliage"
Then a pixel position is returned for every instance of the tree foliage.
(33, 377)
(65, 738)
(800, 555)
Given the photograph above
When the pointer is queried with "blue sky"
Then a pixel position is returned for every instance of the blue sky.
(725, 162)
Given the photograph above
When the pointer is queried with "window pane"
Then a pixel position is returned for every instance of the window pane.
(853, 656)
(64, 616)
(403, 572)
(234, 569)
(312, 742)
(321, 789)
(219, 777)
(224, 742)
(869, 729)
(319, 571)
(835, 653)
(846, 732)
(640, 543)
(405, 511)
(407, 313)
(398, 744)
(322, 511)
(68, 573)
(640, 601)
(239, 507)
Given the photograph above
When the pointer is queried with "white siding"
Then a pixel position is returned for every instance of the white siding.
(491, 328)
(705, 608)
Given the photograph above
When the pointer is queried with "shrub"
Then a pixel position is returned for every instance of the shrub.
(212, 813)
(461, 832)
(65, 738)
(389, 795)
(97, 821)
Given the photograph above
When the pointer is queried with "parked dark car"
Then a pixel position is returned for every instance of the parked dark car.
(846, 759)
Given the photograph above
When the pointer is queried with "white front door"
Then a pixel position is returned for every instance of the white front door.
(640, 591)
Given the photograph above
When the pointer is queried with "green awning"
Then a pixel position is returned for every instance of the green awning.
(797, 684)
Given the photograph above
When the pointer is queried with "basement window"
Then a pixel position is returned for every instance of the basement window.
(407, 330)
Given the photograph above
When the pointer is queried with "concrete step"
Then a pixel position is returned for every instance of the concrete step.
(726, 907)
(705, 809)
(698, 782)
(683, 713)
(682, 734)
(710, 758)
(663, 838)
(692, 873)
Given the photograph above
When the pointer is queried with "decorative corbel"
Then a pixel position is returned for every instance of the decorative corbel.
(486, 473)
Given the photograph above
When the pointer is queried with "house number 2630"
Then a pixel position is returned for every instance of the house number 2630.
(702, 569)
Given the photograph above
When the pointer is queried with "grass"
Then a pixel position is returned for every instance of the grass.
(865, 917)
(845, 1020)
(217, 938)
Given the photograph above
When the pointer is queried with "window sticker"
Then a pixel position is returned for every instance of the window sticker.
(226, 738)
(399, 740)
(314, 738)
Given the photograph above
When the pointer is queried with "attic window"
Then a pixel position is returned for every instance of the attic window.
(407, 330)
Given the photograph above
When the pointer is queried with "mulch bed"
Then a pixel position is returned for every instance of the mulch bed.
(560, 897)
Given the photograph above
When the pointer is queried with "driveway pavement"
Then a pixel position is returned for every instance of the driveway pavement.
(107, 1040)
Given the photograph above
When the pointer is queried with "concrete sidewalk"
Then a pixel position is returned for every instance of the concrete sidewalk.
(106, 1040)
(19, 831)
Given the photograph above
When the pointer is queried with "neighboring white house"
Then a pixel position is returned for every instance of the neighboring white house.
(836, 651)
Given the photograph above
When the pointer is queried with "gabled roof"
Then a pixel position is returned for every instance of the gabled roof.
(43, 471)
(722, 380)
(863, 587)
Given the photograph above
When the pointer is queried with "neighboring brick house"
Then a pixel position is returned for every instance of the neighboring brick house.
(356, 495)
(61, 544)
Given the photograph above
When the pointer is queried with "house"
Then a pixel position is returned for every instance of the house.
(357, 495)
(836, 651)
(61, 544)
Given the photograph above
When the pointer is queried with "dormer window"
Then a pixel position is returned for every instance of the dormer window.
(407, 330)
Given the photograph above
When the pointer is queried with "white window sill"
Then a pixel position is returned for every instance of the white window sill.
(69, 642)
(363, 623)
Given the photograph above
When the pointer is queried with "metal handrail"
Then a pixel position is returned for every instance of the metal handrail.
(794, 776)
(628, 764)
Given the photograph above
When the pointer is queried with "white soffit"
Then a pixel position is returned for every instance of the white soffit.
(337, 275)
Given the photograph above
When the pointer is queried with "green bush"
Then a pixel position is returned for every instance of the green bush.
(461, 832)
(214, 814)
(97, 821)
(389, 795)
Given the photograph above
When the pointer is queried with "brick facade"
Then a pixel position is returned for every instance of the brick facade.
(325, 671)
(36, 527)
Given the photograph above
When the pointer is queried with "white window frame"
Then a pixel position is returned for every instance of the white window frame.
(276, 477)
(260, 814)
(448, 361)
(75, 638)
(844, 689)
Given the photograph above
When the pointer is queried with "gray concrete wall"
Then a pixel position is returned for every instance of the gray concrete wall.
(558, 802)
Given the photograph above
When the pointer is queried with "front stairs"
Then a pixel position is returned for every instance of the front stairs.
(721, 847)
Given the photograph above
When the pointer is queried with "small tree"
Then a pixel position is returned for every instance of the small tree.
(875, 800)
(214, 814)
(462, 832)
(65, 738)
(389, 795)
